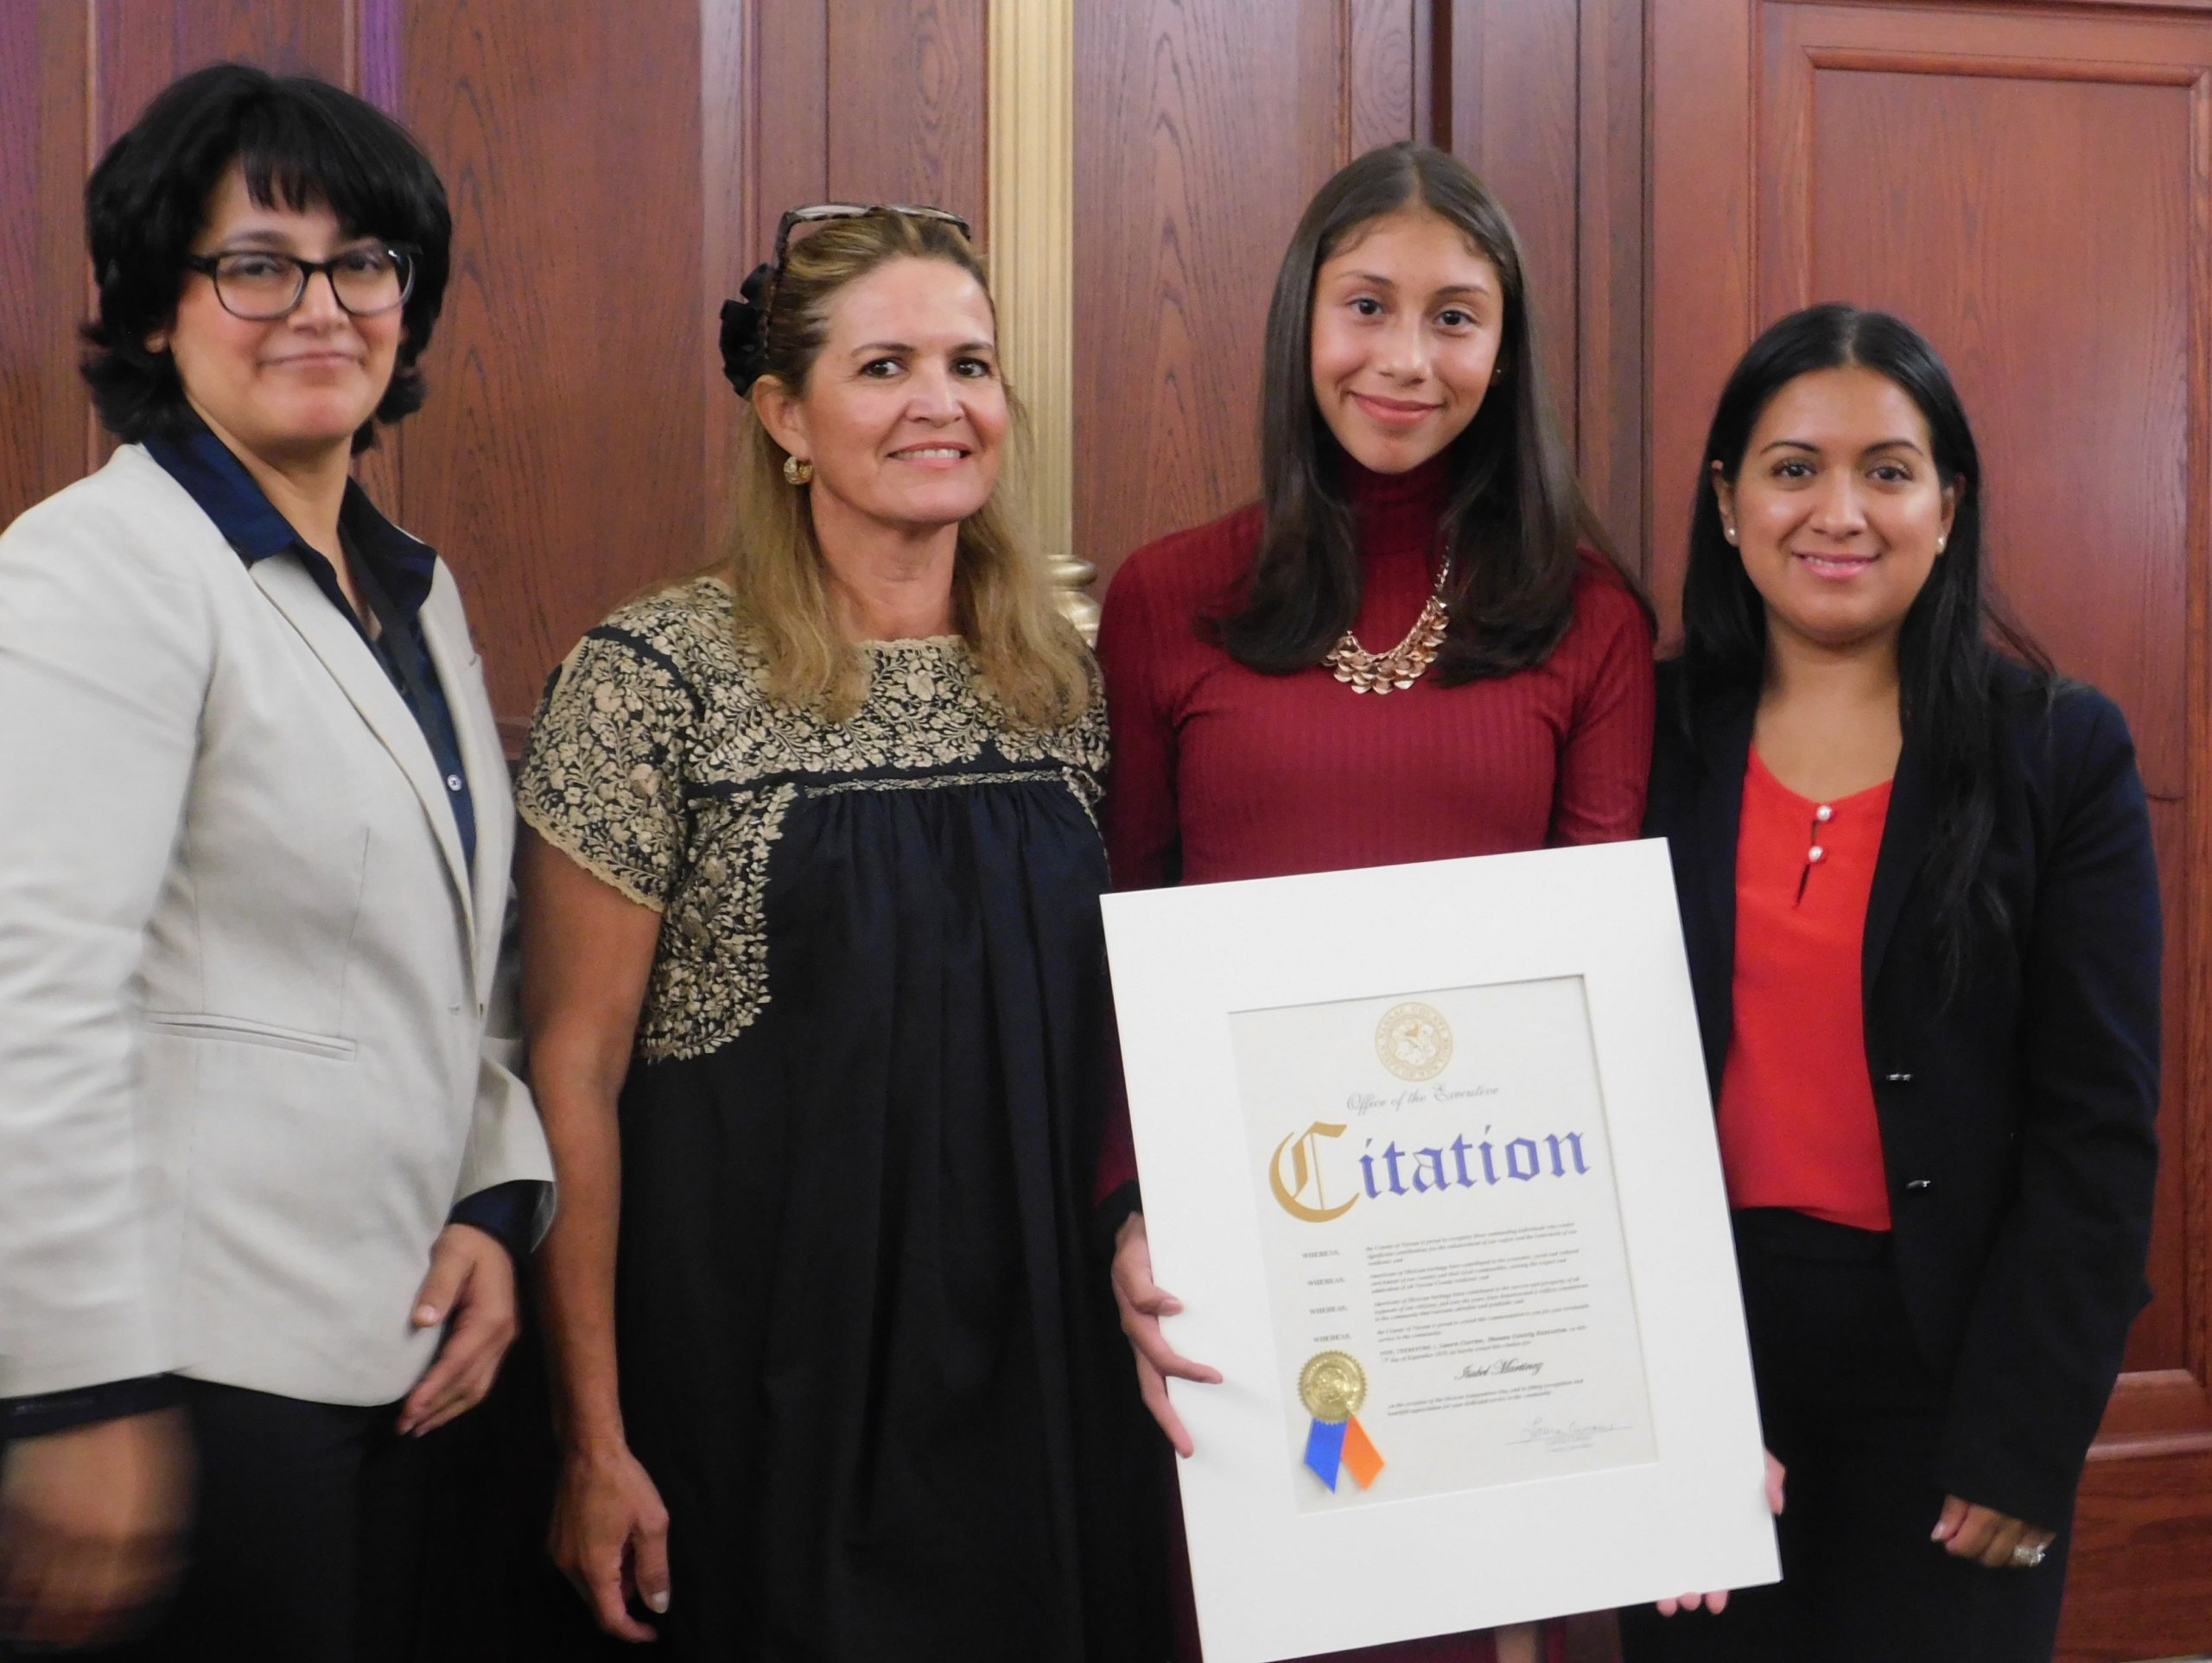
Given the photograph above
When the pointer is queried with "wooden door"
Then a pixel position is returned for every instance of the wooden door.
(2031, 185)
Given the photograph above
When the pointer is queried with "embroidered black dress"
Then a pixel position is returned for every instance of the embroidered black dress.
(866, 1337)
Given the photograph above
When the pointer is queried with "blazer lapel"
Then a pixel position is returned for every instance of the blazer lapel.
(355, 668)
(446, 635)
(1724, 749)
(1905, 836)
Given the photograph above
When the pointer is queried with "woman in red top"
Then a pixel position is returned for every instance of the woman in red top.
(1407, 650)
(1922, 917)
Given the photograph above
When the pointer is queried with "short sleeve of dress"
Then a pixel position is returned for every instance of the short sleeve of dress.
(602, 775)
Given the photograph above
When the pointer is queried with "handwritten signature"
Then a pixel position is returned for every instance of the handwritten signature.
(1499, 1365)
(1576, 1434)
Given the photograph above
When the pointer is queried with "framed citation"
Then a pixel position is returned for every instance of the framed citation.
(1428, 1157)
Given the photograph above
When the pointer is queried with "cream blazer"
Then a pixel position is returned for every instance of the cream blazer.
(257, 1018)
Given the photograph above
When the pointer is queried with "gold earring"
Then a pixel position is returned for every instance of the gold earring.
(798, 470)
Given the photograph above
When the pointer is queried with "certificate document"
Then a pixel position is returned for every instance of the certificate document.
(1437, 1208)
(1445, 1207)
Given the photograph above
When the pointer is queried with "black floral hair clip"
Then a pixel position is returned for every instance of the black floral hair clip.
(745, 329)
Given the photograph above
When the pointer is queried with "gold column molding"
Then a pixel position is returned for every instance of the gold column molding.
(1031, 98)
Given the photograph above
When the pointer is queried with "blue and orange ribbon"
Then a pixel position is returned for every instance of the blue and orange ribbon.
(1332, 1386)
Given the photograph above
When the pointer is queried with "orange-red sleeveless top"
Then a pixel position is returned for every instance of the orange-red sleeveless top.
(1797, 1122)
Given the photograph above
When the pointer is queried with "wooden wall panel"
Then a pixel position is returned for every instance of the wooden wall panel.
(143, 45)
(44, 416)
(1608, 391)
(1201, 131)
(552, 465)
(1700, 304)
(1516, 65)
(907, 97)
(1384, 52)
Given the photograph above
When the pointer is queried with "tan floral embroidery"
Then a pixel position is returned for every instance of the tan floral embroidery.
(656, 762)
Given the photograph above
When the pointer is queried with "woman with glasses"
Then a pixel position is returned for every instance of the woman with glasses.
(264, 1163)
(815, 1002)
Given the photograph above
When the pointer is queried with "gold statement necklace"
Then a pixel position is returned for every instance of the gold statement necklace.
(1400, 667)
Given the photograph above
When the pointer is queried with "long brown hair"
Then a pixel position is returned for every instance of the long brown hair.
(1029, 655)
(1515, 518)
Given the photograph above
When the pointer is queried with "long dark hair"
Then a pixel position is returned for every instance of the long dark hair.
(1954, 635)
(1515, 518)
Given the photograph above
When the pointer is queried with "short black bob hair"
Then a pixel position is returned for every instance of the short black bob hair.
(1515, 520)
(299, 142)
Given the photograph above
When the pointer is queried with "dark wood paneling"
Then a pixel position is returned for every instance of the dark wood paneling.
(557, 464)
(1515, 121)
(143, 45)
(2141, 1580)
(44, 421)
(790, 134)
(1700, 303)
(1382, 101)
(1608, 390)
(1201, 131)
(906, 102)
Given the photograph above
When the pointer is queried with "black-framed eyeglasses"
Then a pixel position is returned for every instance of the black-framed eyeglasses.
(261, 285)
(818, 212)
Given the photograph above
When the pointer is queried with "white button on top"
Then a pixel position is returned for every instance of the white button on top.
(1824, 814)
(453, 782)
(1816, 853)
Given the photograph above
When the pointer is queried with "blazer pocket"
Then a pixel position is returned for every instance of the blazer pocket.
(194, 1025)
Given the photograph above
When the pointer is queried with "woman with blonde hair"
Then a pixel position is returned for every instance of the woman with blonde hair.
(816, 996)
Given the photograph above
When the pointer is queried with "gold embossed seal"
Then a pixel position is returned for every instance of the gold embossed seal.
(1413, 1040)
(1332, 1386)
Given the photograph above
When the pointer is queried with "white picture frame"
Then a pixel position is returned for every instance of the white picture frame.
(1279, 1572)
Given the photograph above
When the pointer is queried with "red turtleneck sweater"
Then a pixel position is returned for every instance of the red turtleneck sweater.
(1220, 771)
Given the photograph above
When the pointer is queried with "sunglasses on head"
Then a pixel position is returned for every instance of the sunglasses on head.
(820, 212)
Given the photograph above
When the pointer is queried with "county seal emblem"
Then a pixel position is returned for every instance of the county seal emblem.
(1413, 1041)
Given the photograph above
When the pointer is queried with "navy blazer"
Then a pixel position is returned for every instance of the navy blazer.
(2017, 1119)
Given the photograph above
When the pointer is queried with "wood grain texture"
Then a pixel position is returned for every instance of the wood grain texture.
(1202, 129)
(44, 286)
(1515, 121)
(143, 45)
(789, 135)
(906, 101)
(1382, 41)
(1609, 318)
(2140, 1585)
(557, 463)
(1701, 304)
(731, 238)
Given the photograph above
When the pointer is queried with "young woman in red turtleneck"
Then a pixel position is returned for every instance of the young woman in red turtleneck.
(1420, 534)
